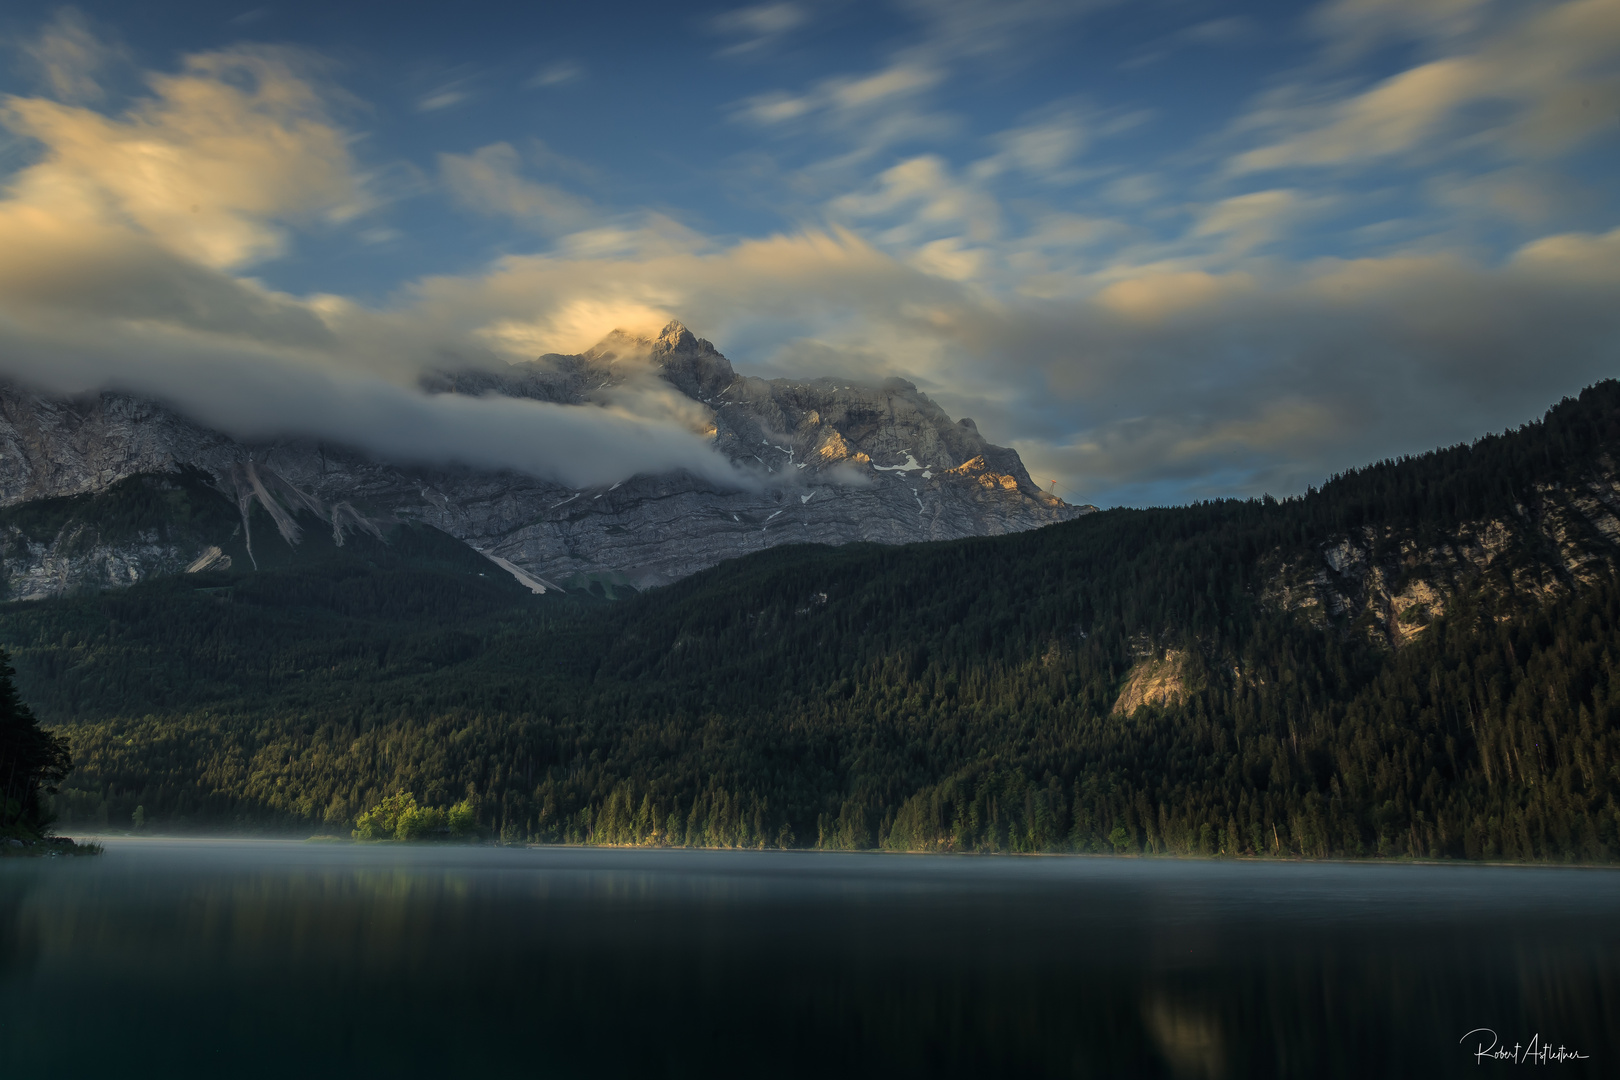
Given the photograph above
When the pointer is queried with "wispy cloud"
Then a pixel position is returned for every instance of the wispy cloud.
(1005, 31)
(69, 57)
(449, 89)
(1538, 85)
(1229, 30)
(1253, 220)
(488, 181)
(756, 28)
(441, 99)
(844, 98)
(1226, 32)
(930, 198)
(1351, 28)
(858, 119)
(1047, 143)
(557, 73)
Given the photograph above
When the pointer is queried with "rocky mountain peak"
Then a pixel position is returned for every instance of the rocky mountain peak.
(674, 336)
(689, 363)
(838, 461)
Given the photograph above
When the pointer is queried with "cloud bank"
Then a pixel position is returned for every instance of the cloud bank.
(121, 269)
(1137, 338)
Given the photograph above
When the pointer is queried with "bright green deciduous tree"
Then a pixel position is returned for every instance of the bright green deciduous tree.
(398, 817)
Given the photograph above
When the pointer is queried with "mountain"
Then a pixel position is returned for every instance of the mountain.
(1415, 660)
(841, 463)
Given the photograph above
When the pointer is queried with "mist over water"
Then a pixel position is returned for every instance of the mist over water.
(267, 958)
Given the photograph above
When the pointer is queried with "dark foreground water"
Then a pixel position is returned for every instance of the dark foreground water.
(193, 958)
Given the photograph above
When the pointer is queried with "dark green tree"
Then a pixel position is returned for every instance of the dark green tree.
(30, 759)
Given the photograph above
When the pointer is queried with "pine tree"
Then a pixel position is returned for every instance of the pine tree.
(30, 759)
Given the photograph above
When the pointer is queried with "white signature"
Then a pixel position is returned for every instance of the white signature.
(1535, 1052)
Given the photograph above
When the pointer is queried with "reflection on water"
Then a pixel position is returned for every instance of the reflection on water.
(192, 958)
(1188, 1036)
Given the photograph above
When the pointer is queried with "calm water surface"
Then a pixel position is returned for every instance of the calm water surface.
(175, 958)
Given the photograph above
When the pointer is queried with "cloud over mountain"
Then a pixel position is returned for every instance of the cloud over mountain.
(1248, 312)
(120, 271)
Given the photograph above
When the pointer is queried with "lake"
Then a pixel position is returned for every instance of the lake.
(260, 958)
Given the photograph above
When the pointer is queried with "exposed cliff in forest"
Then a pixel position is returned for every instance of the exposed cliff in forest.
(1393, 580)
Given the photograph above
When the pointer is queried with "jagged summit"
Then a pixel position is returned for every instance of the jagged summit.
(839, 462)
(822, 413)
(621, 344)
(675, 336)
(689, 363)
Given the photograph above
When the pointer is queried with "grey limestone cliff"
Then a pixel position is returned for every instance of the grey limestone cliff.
(1394, 583)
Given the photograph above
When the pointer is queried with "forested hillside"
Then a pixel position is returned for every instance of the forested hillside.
(1202, 679)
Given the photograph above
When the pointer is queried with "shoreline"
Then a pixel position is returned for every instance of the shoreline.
(383, 845)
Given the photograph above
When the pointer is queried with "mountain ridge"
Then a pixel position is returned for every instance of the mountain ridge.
(1129, 681)
(836, 462)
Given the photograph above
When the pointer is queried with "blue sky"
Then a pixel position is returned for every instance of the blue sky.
(1168, 250)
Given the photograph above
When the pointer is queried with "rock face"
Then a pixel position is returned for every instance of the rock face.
(840, 463)
(1158, 678)
(1396, 583)
(36, 569)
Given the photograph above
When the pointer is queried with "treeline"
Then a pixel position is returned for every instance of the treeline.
(956, 696)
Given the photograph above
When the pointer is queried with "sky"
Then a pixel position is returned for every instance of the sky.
(1168, 249)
